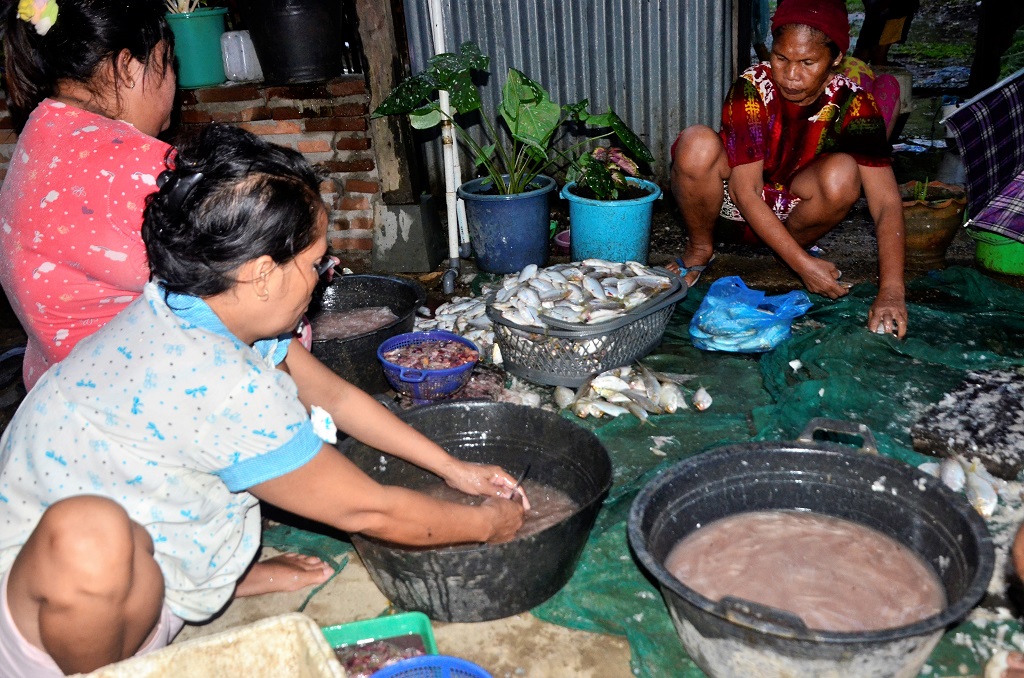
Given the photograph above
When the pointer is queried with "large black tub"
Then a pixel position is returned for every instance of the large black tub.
(735, 639)
(355, 358)
(479, 583)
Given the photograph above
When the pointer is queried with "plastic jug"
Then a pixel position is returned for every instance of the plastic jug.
(240, 61)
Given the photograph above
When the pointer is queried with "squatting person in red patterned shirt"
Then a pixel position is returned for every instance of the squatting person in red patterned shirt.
(798, 144)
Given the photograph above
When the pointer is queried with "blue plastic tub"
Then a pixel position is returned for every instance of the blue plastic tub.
(508, 232)
(425, 385)
(432, 666)
(616, 230)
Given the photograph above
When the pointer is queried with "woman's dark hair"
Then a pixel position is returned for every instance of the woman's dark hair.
(86, 35)
(829, 43)
(230, 198)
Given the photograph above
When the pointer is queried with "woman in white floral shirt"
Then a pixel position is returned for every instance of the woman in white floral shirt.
(131, 476)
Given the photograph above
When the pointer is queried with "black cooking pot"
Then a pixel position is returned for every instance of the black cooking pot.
(734, 637)
(355, 358)
(479, 583)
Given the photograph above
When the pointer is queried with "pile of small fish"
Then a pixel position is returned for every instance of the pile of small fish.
(364, 660)
(625, 390)
(586, 292)
(487, 382)
(466, 317)
(983, 489)
(441, 354)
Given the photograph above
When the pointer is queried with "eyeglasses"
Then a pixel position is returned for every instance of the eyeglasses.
(326, 264)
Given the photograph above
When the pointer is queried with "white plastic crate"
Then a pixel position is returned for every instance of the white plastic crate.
(289, 645)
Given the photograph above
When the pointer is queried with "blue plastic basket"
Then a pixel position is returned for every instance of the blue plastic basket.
(425, 385)
(432, 666)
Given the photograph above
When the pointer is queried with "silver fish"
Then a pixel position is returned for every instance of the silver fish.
(529, 295)
(593, 287)
(638, 411)
(609, 382)
(651, 384)
(670, 398)
(528, 272)
(608, 408)
(564, 397)
(981, 495)
(702, 399)
(952, 474)
(643, 401)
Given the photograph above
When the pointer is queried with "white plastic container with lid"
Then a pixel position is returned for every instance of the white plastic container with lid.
(240, 61)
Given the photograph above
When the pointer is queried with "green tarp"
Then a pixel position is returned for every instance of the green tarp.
(831, 367)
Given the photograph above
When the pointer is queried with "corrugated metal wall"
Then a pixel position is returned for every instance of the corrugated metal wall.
(660, 64)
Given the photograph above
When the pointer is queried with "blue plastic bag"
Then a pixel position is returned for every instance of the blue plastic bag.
(735, 318)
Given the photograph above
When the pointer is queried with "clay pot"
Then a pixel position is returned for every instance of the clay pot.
(932, 223)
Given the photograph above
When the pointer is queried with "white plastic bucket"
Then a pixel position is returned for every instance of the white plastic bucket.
(240, 61)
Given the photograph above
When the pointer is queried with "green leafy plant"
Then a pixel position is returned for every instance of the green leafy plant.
(603, 171)
(531, 118)
(921, 190)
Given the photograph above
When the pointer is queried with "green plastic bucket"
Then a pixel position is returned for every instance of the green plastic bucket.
(197, 46)
(997, 253)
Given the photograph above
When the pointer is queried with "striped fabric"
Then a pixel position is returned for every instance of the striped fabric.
(989, 131)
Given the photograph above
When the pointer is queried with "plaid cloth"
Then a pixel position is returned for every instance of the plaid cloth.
(989, 130)
(1005, 213)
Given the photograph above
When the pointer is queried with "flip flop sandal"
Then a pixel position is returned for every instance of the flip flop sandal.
(698, 269)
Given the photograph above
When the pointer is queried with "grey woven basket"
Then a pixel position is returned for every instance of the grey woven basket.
(568, 357)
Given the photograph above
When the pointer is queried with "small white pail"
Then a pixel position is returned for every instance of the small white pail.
(240, 61)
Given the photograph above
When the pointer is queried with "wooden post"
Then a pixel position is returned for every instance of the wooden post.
(396, 155)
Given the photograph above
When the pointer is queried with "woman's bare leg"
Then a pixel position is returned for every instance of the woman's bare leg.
(827, 189)
(698, 168)
(85, 587)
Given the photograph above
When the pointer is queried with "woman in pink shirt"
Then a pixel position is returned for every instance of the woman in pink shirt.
(90, 85)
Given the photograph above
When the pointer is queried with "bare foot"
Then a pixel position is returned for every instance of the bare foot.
(1014, 666)
(1004, 664)
(286, 572)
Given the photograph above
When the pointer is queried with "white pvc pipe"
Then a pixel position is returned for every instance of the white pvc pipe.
(452, 172)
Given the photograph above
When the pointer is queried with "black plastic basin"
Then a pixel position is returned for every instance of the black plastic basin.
(729, 638)
(479, 583)
(355, 358)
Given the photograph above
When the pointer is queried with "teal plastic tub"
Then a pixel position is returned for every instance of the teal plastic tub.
(382, 628)
(197, 46)
(616, 230)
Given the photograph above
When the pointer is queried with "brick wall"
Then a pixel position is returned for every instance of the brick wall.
(326, 122)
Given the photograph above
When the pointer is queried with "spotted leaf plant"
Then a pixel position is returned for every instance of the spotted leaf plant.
(522, 148)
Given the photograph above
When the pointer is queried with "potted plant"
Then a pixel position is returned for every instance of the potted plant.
(506, 208)
(932, 213)
(197, 32)
(610, 207)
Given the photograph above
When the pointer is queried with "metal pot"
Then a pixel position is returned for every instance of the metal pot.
(733, 637)
(490, 581)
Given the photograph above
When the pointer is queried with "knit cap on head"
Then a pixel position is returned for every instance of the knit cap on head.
(828, 16)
